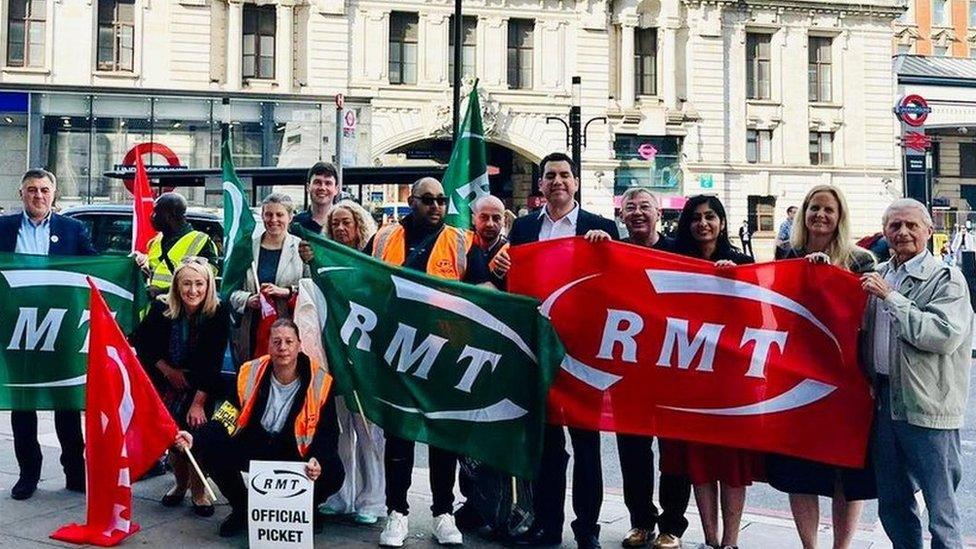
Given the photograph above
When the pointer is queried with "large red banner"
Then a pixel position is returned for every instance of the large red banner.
(762, 357)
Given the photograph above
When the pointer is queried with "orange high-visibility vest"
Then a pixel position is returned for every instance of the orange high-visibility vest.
(448, 257)
(248, 381)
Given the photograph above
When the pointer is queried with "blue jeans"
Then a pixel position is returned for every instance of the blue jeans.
(908, 458)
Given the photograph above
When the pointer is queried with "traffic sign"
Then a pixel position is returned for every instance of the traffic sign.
(340, 100)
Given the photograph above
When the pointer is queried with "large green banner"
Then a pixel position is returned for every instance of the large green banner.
(459, 367)
(44, 324)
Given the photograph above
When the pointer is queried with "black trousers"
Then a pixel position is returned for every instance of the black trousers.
(224, 458)
(549, 488)
(747, 248)
(398, 466)
(637, 468)
(67, 425)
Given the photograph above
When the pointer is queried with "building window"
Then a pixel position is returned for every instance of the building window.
(904, 48)
(940, 51)
(469, 44)
(26, 27)
(972, 14)
(521, 33)
(758, 65)
(403, 48)
(116, 34)
(260, 26)
(645, 61)
(907, 17)
(821, 148)
(819, 69)
(759, 146)
(940, 13)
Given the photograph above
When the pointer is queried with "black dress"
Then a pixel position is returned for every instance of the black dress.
(800, 476)
(195, 346)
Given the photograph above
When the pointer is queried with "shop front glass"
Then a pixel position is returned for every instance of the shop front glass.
(81, 136)
(647, 161)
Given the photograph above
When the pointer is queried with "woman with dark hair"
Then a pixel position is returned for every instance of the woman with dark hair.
(703, 233)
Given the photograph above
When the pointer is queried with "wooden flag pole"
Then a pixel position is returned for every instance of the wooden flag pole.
(203, 478)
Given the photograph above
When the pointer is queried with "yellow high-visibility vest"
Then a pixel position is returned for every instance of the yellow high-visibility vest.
(189, 245)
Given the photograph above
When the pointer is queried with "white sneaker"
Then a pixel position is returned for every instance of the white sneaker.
(445, 531)
(396, 530)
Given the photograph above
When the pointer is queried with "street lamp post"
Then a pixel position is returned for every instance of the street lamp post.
(575, 134)
(458, 29)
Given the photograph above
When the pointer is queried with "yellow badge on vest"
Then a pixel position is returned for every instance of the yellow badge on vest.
(226, 415)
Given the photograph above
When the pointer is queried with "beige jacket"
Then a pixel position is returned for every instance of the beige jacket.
(290, 271)
(930, 343)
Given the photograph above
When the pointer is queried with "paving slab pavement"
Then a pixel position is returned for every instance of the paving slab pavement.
(27, 524)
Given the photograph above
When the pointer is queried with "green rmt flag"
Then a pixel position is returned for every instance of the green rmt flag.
(456, 366)
(238, 228)
(466, 178)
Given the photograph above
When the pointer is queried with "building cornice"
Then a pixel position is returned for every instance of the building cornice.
(886, 8)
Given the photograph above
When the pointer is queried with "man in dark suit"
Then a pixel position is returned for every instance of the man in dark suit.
(40, 231)
(562, 216)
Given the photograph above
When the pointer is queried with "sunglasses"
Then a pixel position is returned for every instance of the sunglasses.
(195, 259)
(429, 200)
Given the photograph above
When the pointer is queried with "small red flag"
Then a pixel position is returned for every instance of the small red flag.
(142, 208)
(127, 429)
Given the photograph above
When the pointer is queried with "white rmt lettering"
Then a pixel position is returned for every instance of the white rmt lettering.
(479, 359)
(27, 329)
(705, 340)
(402, 344)
(362, 319)
(85, 317)
(764, 339)
(621, 327)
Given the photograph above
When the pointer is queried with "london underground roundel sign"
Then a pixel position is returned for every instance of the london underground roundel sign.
(913, 110)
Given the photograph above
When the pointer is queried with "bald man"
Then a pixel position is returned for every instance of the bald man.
(423, 242)
(489, 216)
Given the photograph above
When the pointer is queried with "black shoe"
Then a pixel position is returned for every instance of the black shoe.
(75, 483)
(24, 489)
(203, 510)
(590, 541)
(232, 525)
(536, 537)
(172, 499)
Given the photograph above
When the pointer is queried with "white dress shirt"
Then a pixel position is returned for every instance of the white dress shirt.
(565, 226)
(883, 316)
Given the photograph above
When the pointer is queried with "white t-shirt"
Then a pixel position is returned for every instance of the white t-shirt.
(280, 399)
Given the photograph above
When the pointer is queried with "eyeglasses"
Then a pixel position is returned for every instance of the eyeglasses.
(429, 200)
(644, 208)
(195, 259)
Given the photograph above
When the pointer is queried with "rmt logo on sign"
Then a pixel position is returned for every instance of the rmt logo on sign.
(278, 484)
(913, 110)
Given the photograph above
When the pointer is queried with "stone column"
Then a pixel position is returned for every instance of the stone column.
(285, 47)
(669, 65)
(627, 84)
(235, 39)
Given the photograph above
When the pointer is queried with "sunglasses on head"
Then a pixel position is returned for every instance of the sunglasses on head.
(429, 200)
(195, 259)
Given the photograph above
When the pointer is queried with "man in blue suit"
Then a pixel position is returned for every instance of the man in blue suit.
(40, 231)
(562, 216)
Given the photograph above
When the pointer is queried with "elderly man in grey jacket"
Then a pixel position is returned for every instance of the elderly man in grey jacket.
(918, 337)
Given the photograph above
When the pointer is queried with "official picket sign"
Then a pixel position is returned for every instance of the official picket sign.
(279, 505)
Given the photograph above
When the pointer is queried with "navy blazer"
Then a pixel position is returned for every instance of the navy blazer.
(68, 236)
(526, 228)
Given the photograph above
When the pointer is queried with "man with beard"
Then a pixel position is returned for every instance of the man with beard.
(489, 215)
(423, 242)
(322, 188)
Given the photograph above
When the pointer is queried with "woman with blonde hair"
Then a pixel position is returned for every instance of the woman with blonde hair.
(181, 343)
(361, 443)
(350, 224)
(821, 233)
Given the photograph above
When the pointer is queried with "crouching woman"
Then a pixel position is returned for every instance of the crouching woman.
(287, 413)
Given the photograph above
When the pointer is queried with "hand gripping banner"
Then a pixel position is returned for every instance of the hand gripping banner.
(762, 357)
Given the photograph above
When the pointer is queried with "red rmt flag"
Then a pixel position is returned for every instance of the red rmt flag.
(127, 429)
(762, 357)
(142, 208)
